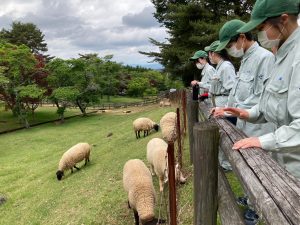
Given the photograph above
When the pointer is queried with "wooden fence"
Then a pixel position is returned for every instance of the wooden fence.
(273, 191)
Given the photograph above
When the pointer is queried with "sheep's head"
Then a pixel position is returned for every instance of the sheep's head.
(59, 174)
(156, 127)
(154, 222)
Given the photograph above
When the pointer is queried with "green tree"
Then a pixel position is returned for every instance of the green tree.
(137, 86)
(17, 69)
(27, 34)
(191, 25)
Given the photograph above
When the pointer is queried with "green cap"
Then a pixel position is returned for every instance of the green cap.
(213, 46)
(199, 54)
(264, 9)
(228, 31)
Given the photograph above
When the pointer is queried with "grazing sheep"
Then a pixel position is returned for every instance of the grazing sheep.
(137, 182)
(144, 124)
(74, 155)
(168, 126)
(157, 156)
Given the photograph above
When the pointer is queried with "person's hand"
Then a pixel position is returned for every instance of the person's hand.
(218, 112)
(247, 143)
(240, 113)
(194, 82)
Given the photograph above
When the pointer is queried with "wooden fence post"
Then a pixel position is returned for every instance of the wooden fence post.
(206, 136)
(172, 184)
(192, 114)
(179, 153)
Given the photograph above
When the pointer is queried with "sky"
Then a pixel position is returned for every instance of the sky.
(119, 27)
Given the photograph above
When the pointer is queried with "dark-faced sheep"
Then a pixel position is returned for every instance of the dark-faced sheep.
(137, 182)
(74, 155)
(144, 124)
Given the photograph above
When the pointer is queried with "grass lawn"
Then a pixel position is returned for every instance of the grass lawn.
(42, 114)
(122, 99)
(93, 195)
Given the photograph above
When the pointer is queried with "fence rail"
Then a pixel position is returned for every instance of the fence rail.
(272, 190)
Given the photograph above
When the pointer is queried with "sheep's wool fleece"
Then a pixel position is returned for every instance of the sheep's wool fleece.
(156, 155)
(168, 126)
(74, 155)
(143, 124)
(137, 182)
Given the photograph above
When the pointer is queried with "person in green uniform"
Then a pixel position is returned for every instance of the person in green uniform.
(276, 21)
(256, 63)
(201, 62)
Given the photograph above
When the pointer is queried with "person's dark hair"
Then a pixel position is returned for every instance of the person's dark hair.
(223, 53)
(276, 19)
(248, 36)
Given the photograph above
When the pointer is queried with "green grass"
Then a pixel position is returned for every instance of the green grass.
(121, 99)
(93, 195)
(42, 114)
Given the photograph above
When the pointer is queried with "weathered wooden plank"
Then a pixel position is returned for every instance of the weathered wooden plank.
(274, 192)
(229, 211)
(192, 114)
(206, 136)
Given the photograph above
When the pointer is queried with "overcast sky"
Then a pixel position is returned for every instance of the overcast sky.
(118, 27)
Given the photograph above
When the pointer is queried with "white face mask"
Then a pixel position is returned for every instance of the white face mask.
(265, 41)
(200, 66)
(237, 53)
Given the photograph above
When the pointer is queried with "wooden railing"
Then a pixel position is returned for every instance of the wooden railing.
(273, 191)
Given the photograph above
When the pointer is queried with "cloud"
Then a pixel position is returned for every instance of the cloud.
(144, 19)
(121, 28)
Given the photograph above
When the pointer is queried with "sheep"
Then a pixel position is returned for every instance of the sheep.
(144, 124)
(74, 155)
(157, 156)
(168, 126)
(137, 182)
(165, 102)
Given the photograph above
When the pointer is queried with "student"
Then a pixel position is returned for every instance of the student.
(224, 78)
(221, 85)
(254, 70)
(279, 103)
(200, 60)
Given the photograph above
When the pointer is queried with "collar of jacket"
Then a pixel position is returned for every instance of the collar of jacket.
(219, 64)
(288, 45)
(250, 50)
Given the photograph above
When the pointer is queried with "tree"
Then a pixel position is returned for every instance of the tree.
(27, 34)
(17, 69)
(192, 25)
(137, 86)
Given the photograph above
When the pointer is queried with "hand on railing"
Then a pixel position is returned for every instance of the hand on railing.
(240, 113)
(247, 143)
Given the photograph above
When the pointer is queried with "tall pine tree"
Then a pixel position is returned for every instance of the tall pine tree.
(191, 26)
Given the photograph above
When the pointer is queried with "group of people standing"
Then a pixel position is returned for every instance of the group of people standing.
(264, 95)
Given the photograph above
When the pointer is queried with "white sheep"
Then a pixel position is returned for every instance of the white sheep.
(165, 102)
(157, 156)
(144, 124)
(74, 155)
(137, 182)
(168, 126)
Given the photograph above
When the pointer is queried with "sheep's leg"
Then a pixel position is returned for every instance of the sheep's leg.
(152, 170)
(71, 170)
(161, 183)
(144, 133)
(136, 134)
(136, 217)
(87, 160)
(139, 134)
(76, 168)
(129, 207)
